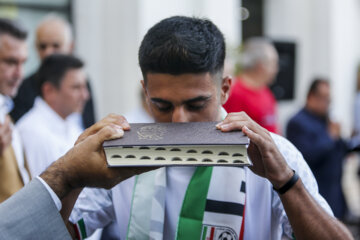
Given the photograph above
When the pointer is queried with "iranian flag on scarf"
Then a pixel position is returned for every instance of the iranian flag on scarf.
(213, 205)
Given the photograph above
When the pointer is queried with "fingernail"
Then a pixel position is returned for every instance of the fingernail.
(118, 128)
(246, 129)
(120, 132)
(224, 127)
(127, 124)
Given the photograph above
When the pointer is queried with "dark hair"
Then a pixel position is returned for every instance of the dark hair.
(315, 85)
(178, 45)
(54, 67)
(12, 28)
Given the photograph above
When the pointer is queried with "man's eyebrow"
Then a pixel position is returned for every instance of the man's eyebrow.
(197, 99)
(159, 100)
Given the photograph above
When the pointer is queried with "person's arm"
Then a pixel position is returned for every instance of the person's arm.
(307, 218)
(85, 164)
(31, 212)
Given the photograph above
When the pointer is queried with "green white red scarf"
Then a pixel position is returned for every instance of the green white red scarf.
(213, 205)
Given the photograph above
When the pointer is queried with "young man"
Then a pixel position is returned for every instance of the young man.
(46, 130)
(182, 62)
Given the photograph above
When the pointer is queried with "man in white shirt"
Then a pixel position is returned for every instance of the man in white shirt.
(13, 54)
(45, 130)
(182, 61)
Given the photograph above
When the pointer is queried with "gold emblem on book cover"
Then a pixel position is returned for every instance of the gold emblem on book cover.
(152, 132)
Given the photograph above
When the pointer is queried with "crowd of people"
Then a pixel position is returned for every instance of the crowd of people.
(54, 181)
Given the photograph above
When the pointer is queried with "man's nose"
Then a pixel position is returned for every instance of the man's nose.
(49, 51)
(19, 71)
(180, 115)
(85, 93)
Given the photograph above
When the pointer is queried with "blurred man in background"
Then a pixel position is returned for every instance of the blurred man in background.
(250, 92)
(53, 35)
(319, 140)
(13, 54)
(46, 130)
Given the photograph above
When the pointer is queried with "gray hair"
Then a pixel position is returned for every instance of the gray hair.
(255, 50)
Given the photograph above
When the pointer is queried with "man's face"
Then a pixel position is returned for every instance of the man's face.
(271, 67)
(13, 54)
(52, 38)
(186, 97)
(319, 101)
(72, 93)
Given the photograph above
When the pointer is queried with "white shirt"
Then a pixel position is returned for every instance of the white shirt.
(5, 107)
(265, 217)
(45, 135)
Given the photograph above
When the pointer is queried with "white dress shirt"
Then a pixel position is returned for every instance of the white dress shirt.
(45, 135)
(5, 107)
(265, 217)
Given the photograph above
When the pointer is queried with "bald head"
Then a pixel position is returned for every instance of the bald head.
(53, 35)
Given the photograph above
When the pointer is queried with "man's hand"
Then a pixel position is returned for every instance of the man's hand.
(85, 164)
(5, 134)
(267, 160)
(307, 218)
(334, 130)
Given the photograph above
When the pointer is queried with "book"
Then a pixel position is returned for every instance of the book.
(177, 144)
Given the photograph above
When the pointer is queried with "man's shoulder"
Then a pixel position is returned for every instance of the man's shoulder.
(299, 118)
(30, 120)
(32, 123)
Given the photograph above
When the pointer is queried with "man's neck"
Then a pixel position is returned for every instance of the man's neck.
(315, 113)
(56, 109)
(252, 80)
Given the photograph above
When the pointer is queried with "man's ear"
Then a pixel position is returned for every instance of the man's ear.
(145, 91)
(72, 46)
(225, 89)
(144, 87)
(48, 90)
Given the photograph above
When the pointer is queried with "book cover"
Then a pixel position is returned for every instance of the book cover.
(170, 144)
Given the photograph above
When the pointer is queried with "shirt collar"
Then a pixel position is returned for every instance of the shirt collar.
(6, 103)
(223, 113)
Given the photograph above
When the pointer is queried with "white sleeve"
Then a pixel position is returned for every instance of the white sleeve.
(93, 210)
(53, 195)
(296, 161)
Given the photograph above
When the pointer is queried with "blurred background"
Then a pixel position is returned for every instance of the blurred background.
(314, 38)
